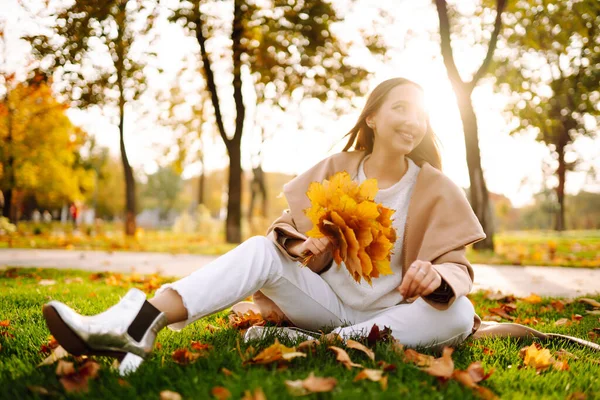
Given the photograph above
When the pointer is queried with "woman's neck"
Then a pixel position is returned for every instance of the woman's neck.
(387, 169)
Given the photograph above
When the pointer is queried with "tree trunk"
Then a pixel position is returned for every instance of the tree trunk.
(201, 186)
(130, 226)
(233, 231)
(478, 191)
(560, 189)
(130, 213)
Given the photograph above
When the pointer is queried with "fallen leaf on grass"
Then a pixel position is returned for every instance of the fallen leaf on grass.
(5, 323)
(50, 346)
(211, 328)
(421, 360)
(558, 305)
(562, 321)
(386, 367)
(591, 302)
(169, 395)
(541, 359)
(358, 346)
(42, 391)
(442, 367)
(312, 384)
(185, 357)
(378, 335)
(532, 299)
(200, 346)
(275, 352)
(593, 312)
(47, 282)
(226, 372)
(374, 375)
(54, 356)
(77, 380)
(343, 357)
(220, 393)
(309, 344)
(245, 321)
(257, 395)
(503, 311)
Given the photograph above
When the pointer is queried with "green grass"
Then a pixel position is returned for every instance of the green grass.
(22, 297)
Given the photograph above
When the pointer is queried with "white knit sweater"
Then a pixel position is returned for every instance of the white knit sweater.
(383, 293)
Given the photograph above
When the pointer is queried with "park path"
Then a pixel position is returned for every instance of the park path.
(520, 281)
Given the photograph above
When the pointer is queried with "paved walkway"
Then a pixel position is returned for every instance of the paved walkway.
(520, 281)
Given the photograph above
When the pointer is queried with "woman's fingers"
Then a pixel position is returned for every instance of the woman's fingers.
(417, 278)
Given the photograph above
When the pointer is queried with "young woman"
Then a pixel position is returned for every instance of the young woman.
(423, 302)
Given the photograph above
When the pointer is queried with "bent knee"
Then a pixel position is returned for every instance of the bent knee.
(463, 313)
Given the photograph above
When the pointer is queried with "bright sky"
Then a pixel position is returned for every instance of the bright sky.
(512, 165)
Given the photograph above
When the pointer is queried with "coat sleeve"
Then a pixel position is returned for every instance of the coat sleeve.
(456, 271)
(283, 230)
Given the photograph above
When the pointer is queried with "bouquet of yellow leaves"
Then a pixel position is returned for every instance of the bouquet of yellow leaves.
(346, 212)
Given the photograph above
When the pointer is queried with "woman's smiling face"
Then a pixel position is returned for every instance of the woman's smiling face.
(400, 123)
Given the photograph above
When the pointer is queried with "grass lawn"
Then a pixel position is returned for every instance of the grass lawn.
(23, 294)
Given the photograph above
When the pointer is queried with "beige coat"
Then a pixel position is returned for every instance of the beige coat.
(440, 223)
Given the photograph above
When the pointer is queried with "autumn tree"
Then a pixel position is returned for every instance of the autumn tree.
(463, 89)
(185, 110)
(550, 68)
(38, 146)
(289, 44)
(97, 54)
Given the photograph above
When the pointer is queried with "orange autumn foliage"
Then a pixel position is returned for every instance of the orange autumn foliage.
(346, 212)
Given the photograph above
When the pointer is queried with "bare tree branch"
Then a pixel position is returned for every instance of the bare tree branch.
(500, 5)
(446, 44)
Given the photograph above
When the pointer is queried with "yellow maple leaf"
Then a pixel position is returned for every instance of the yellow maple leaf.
(347, 213)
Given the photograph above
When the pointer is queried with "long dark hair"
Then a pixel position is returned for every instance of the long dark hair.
(362, 136)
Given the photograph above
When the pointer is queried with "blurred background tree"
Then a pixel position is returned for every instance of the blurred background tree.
(479, 196)
(550, 67)
(96, 54)
(39, 147)
(290, 45)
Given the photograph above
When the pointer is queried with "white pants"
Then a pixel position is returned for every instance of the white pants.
(308, 301)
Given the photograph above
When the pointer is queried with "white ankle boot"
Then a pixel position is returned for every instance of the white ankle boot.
(106, 333)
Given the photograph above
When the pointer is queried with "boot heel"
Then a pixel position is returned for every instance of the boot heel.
(129, 364)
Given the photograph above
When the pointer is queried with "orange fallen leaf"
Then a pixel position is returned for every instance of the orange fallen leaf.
(562, 321)
(540, 359)
(220, 393)
(442, 367)
(200, 346)
(421, 360)
(246, 320)
(343, 357)
(358, 346)
(169, 395)
(576, 318)
(309, 344)
(5, 323)
(77, 380)
(275, 352)
(558, 305)
(502, 311)
(312, 384)
(257, 395)
(185, 357)
(211, 328)
(532, 299)
(226, 372)
(374, 375)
